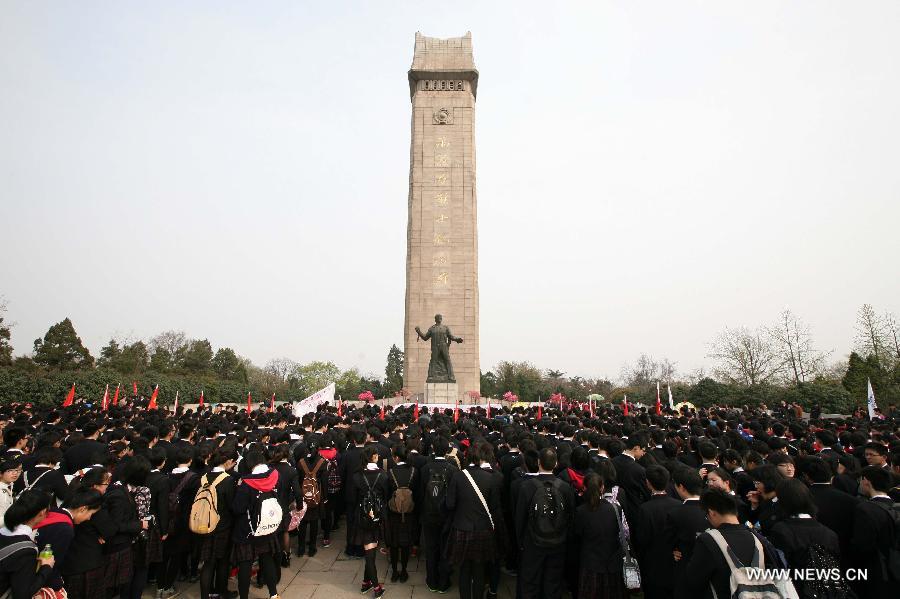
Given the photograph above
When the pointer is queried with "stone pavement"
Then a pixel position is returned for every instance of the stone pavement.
(332, 575)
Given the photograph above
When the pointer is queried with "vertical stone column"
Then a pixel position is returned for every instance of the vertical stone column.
(442, 232)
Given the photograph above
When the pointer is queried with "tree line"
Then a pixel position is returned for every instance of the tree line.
(766, 364)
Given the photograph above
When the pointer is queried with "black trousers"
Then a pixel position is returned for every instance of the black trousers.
(437, 569)
(471, 580)
(541, 573)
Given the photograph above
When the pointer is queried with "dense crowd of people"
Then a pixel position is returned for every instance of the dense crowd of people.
(592, 504)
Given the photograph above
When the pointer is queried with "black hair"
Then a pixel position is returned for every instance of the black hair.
(367, 454)
(794, 498)
(658, 477)
(580, 459)
(689, 479)
(157, 457)
(135, 471)
(817, 469)
(399, 451)
(531, 459)
(724, 475)
(27, 505)
(718, 501)
(768, 475)
(548, 458)
(85, 497)
(484, 452)
(440, 446)
(13, 435)
(593, 490)
(880, 478)
(707, 450)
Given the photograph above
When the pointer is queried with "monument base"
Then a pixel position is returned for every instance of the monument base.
(441, 393)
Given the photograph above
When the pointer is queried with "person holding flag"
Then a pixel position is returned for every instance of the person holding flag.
(658, 405)
(152, 405)
(70, 397)
(105, 402)
(870, 403)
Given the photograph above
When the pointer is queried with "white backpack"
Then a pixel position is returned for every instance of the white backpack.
(758, 585)
(265, 515)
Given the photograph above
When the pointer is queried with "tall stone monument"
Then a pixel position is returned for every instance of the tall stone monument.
(442, 233)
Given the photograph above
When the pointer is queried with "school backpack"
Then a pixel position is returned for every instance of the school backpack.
(890, 563)
(175, 497)
(820, 559)
(548, 521)
(264, 514)
(5, 570)
(435, 492)
(751, 582)
(205, 509)
(309, 488)
(371, 508)
(401, 501)
(335, 484)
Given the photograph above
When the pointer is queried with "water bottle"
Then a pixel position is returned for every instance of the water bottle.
(46, 552)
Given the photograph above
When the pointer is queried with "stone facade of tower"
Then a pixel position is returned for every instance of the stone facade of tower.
(442, 233)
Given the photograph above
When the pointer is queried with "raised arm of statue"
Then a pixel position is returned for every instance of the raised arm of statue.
(424, 337)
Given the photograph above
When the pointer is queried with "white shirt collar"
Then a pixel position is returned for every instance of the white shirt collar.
(180, 469)
(21, 529)
(260, 469)
(371, 466)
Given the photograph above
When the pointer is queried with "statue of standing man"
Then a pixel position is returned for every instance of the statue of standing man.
(440, 370)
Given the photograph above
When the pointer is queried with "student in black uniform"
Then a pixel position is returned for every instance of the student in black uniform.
(83, 566)
(474, 499)
(177, 544)
(289, 495)
(158, 483)
(23, 573)
(214, 549)
(434, 479)
(596, 530)
(400, 529)
(312, 465)
(364, 532)
(126, 575)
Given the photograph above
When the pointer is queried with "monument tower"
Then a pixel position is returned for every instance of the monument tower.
(442, 233)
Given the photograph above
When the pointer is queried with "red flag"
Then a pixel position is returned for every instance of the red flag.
(456, 411)
(488, 401)
(625, 404)
(152, 405)
(272, 404)
(416, 411)
(381, 415)
(540, 413)
(249, 400)
(201, 398)
(591, 402)
(658, 406)
(105, 403)
(116, 396)
(70, 397)
(134, 386)
(340, 405)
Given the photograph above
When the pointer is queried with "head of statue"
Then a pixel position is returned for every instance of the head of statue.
(438, 318)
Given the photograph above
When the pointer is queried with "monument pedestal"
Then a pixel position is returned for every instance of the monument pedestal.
(441, 393)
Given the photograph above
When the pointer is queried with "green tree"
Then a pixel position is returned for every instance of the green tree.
(228, 366)
(197, 356)
(309, 378)
(62, 349)
(393, 379)
(161, 360)
(134, 359)
(109, 354)
(489, 384)
(522, 378)
(5, 347)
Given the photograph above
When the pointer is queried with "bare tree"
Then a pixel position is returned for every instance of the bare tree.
(745, 356)
(893, 334)
(170, 341)
(643, 372)
(870, 333)
(281, 368)
(667, 371)
(793, 341)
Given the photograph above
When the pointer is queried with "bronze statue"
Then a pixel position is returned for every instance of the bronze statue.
(440, 370)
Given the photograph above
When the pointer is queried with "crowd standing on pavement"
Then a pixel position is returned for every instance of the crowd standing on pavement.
(570, 501)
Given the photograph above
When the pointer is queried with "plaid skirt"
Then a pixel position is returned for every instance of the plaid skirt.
(596, 585)
(253, 548)
(154, 547)
(119, 569)
(362, 535)
(87, 585)
(401, 530)
(475, 545)
(215, 545)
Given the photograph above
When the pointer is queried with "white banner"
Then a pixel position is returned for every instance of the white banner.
(309, 404)
(871, 399)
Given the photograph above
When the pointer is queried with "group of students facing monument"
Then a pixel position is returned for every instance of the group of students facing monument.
(590, 506)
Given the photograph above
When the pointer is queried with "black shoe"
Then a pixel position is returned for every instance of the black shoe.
(395, 576)
(404, 576)
(285, 559)
(312, 550)
(301, 550)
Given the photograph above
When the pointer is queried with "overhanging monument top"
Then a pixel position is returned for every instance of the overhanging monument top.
(437, 58)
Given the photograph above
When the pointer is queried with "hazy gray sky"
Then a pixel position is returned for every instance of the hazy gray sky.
(648, 173)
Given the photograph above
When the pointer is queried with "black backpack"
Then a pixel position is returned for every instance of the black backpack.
(548, 521)
(827, 587)
(371, 509)
(174, 498)
(435, 492)
(13, 549)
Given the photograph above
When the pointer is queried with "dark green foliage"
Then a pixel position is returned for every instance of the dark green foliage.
(5, 347)
(61, 348)
(393, 379)
(228, 366)
(197, 357)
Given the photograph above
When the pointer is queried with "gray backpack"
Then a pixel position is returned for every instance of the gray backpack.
(751, 582)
